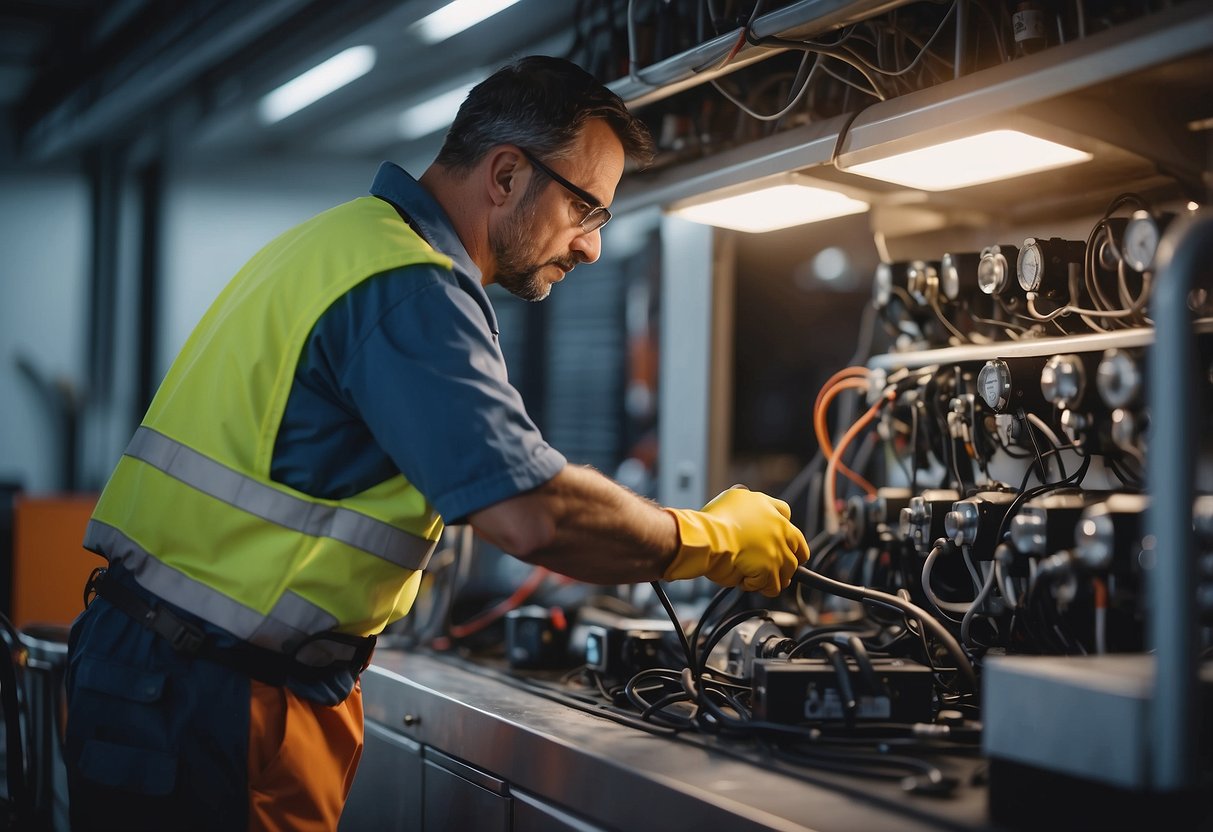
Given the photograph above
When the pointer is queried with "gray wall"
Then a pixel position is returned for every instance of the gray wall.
(43, 296)
(213, 220)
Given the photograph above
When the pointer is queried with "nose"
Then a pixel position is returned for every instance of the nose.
(588, 246)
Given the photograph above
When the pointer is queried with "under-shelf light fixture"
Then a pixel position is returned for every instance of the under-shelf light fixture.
(971, 160)
(782, 202)
(341, 69)
(457, 16)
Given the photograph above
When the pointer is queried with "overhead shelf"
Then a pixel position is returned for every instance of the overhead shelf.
(1101, 92)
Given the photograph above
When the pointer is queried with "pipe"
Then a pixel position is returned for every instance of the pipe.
(1171, 623)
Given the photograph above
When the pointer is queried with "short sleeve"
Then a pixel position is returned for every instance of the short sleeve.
(415, 361)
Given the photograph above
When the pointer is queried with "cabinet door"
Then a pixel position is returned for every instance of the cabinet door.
(458, 796)
(386, 795)
(531, 814)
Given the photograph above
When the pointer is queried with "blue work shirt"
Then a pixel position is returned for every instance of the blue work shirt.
(404, 373)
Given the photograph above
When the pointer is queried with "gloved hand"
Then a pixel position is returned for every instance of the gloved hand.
(741, 537)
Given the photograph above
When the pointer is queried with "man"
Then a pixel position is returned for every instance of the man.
(344, 396)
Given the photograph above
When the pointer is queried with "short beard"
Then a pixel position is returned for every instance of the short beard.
(517, 272)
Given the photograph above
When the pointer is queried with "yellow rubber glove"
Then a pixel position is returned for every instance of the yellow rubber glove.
(741, 537)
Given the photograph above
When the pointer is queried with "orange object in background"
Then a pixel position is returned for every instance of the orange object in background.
(50, 564)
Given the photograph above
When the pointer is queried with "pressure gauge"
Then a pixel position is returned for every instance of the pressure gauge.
(1044, 266)
(1118, 379)
(1074, 425)
(1063, 380)
(962, 522)
(1011, 384)
(994, 384)
(922, 520)
(994, 268)
(975, 521)
(1030, 266)
(1108, 535)
(1047, 524)
(1028, 532)
(889, 276)
(922, 280)
(1140, 241)
(958, 275)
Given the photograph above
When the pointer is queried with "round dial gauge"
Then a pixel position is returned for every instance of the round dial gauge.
(1118, 378)
(1030, 265)
(992, 271)
(949, 278)
(921, 280)
(1063, 380)
(1140, 241)
(994, 384)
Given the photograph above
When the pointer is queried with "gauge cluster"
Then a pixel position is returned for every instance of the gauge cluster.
(1013, 428)
(980, 493)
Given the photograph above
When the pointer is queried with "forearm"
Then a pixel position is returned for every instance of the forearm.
(586, 526)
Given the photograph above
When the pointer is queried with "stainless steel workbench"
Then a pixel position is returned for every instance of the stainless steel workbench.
(453, 746)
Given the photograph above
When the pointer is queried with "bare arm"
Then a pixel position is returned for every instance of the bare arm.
(584, 525)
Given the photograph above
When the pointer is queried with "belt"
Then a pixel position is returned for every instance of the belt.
(187, 638)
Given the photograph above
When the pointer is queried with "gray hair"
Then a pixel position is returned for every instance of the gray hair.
(539, 103)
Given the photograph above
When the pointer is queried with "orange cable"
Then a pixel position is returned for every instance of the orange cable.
(823, 435)
(845, 372)
(852, 432)
(1101, 593)
(481, 620)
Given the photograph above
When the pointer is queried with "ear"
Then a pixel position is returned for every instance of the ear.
(505, 173)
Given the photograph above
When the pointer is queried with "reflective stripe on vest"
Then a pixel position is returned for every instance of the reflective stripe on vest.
(191, 506)
(290, 621)
(396, 546)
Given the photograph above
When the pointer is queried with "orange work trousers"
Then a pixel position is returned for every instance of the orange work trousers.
(301, 759)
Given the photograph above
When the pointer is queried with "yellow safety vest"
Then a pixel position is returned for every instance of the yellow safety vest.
(190, 508)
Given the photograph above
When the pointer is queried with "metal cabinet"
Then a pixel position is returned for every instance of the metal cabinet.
(387, 790)
(458, 796)
(534, 815)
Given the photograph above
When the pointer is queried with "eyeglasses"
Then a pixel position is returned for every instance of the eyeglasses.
(597, 214)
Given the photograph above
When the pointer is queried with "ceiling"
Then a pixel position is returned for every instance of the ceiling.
(184, 77)
(181, 80)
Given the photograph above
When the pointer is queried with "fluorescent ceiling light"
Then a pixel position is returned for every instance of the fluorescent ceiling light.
(434, 114)
(973, 160)
(317, 82)
(456, 16)
(781, 205)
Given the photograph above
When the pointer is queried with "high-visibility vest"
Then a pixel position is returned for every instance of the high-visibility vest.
(190, 508)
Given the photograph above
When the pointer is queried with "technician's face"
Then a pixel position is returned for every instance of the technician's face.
(543, 237)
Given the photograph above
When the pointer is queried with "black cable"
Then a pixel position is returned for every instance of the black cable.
(1040, 460)
(866, 669)
(718, 633)
(862, 765)
(631, 689)
(859, 593)
(669, 608)
(838, 53)
(843, 675)
(818, 558)
(1025, 495)
(720, 595)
